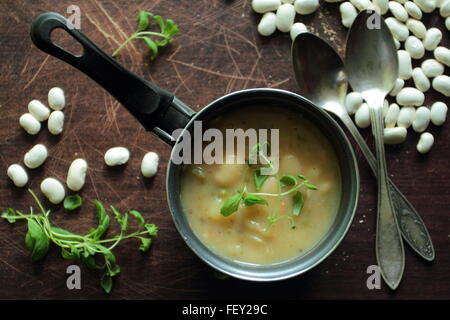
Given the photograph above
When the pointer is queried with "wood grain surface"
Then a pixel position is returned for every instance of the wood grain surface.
(216, 52)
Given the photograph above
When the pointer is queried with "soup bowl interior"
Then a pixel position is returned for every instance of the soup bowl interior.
(349, 187)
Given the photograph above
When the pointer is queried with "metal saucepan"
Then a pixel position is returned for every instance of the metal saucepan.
(160, 113)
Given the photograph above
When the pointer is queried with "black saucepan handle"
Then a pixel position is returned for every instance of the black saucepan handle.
(156, 109)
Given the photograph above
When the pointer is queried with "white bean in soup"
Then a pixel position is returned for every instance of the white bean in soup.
(245, 235)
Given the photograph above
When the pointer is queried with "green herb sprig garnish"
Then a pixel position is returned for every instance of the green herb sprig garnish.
(92, 249)
(293, 184)
(154, 40)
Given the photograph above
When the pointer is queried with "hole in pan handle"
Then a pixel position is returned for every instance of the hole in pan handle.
(156, 109)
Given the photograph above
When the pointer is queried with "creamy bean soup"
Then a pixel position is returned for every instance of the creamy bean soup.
(269, 232)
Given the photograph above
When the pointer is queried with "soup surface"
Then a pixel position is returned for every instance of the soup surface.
(246, 235)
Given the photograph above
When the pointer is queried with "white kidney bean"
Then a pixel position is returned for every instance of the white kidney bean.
(426, 6)
(399, 30)
(447, 23)
(416, 27)
(38, 110)
(438, 113)
(399, 84)
(398, 11)
(432, 68)
(362, 116)
(425, 143)
(353, 101)
(267, 25)
(296, 29)
(404, 65)
(397, 44)
(348, 14)
(334, 1)
(414, 47)
(445, 9)
(383, 5)
(410, 97)
(149, 164)
(36, 156)
(76, 175)
(432, 39)
(287, 1)
(55, 123)
(56, 98)
(413, 10)
(401, 1)
(442, 84)
(306, 6)
(385, 107)
(53, 190)
(18, 175)
(439, 3)
(420, 80)
(263, 6)
(391, 116)
(361, 4)
(406, 117)
(394, 135)
(422, 120)
(117, 156)
(442, 54)
(285, 17)
(30, 124)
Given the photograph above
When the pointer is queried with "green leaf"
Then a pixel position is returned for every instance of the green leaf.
(124, 223)
(73, 254)
(142, 20)
(29, 242)
(103, 220)
(72, 202)
(231, 205)
(298, 204)
(259, 179)
(310, 186)
(288, 180)
(40, 239)
(152, 46)
(138, 217)
(152, 229)
(9, 215)
(90, 262)
(301, 176)
(145, 244)
(251, 200)
(106, 282)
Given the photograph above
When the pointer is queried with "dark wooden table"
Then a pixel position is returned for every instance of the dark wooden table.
(217, 51)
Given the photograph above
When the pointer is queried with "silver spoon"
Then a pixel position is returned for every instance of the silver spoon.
(327, 87)
(371, 64)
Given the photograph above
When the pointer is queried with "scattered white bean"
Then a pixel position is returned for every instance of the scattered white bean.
(445, 9)
(432, 39)
(267, 25)
(55, 123)
(117, 156)
(438, 113)
(385, 107)
(432, 68)
(287, 1)
(394, 135)
(399, 84)
(149, 164)
(398, 11)
(38, 110)
(334, 1)
(401, 1)
(447, 23)
(442, 84)
(76, 175)
(406, 117)
(285, 17)
(30, 124)
(397, 44)
(399, 30)
(352, 102)
(442, 55)
(420, 80)
(36, 156)
(439, 3)
(413, 10)
(414, 47)
(404, 65)
(362, 116)
(263, 6)
(306, 6)
(426, 6)
(361, 4)
(18, 175)
(392, 115)
(416, 27)
(56, 98)
(296, 29)
(410, 97)
(348, 14)
(422, 120)
(425, 143)
(383, 5)
(53, 190)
